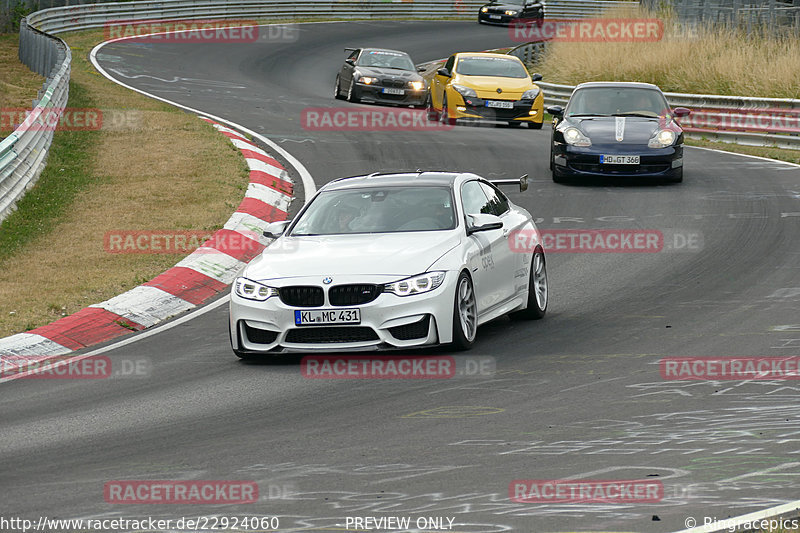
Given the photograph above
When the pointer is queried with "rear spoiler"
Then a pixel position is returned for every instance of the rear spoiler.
(522, 181)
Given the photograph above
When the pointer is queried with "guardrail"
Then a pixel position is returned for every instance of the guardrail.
(23, 153)
(733, 119)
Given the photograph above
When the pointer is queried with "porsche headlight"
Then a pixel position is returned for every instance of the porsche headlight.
(416, 284)
(366, 80)
(512, 13)
(253, 290)
(417, 85)
(531, 94)
(465, 91)
(662, 139)
(575, 137)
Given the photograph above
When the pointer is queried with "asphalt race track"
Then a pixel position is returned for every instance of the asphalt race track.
(577, 395)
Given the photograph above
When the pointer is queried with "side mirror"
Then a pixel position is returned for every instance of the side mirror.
(681, 111)
(443, 72)
(350, 61)
(555, 110)
(536, 77)
(273, 230)
(483, 222)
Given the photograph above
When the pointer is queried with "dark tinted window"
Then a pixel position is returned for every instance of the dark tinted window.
(474, 199)
(497, 200)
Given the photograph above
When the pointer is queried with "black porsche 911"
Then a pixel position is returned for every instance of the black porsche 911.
(380, 76)
(511, 11)
(617, 129)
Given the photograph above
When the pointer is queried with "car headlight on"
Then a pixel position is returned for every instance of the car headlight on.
(662, 139)
(575, 137)
(416, 284)
(253, 290)
(366, 80)
(465, 91)
(484, 10)
(531, 94)
(417, 85)
(512, 13)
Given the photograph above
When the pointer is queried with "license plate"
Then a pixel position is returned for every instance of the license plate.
(389, 90)
(495, 17)
(321, 317)
(500, 104)
(619, 159)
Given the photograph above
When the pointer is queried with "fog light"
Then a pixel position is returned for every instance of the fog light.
(532, 112)
(461, 108)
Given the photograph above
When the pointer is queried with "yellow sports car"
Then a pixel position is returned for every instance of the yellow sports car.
(486, 86)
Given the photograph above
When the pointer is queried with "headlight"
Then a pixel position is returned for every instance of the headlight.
(366, 80)
(415, 285)
(531, 94)
(465, 91)
(253, 290)
(417, 85)
(512, 13)
(484, 9)
(575, 137)
(662, 139)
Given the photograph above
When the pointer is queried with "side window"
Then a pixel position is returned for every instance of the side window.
(497, 200)
(354, 55)
(450, 62)
(474, 199)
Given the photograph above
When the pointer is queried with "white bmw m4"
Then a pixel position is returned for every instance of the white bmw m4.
(390, 261)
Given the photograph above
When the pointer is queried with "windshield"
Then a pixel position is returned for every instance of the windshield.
(617, 101)
(378, 210)
(386, 59)
(491, 66)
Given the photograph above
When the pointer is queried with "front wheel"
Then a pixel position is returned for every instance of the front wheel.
(537, 289)
(433, 115)
(446, 114)
(351, 92)
(337, 89)
(535, 125)
(465, 314)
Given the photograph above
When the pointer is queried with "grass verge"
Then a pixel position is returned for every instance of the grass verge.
(149, 167)
(18, 85)
(729, 62)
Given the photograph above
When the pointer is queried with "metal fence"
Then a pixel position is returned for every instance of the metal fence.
(762, 16)
(22, 154)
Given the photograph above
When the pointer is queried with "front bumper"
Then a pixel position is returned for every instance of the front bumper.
(388, 322)
(502, 18)
(659, 163)
(374, 93)
(475, 108)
